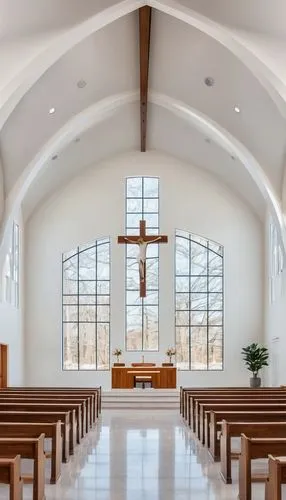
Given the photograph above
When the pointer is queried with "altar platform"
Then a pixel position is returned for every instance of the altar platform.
(141, 399)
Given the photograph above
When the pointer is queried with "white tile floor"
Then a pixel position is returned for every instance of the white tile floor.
(141, 456)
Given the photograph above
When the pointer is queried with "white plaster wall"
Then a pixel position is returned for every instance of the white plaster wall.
(92, 206)
(11, 318)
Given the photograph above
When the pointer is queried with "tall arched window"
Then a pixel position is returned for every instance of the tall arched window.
(199, 303)
(142, 314)
(86, 307)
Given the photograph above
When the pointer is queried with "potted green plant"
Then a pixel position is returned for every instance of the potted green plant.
(255, 357)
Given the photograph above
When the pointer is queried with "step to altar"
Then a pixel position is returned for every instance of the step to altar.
(153, 399)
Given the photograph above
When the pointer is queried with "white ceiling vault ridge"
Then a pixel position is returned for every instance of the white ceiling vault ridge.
(54, 45)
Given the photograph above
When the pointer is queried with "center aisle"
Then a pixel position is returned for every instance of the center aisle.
(143, 455)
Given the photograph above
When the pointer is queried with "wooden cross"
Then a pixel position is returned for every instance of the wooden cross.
(142, 240)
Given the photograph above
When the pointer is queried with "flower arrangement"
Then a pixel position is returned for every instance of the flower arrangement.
(170, 353)
(117, 352)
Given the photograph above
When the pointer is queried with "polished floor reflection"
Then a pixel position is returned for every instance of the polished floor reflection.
(141, 455)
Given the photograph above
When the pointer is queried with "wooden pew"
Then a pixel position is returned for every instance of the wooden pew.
(10, 474)
(216, 417)
(194, 401)
(74, 409)
(96, 391)
(32, 448)
(253, 448)
(57, 396)
(259, 407)
(34, 429)
(214, 403)
(82, 415)
(250, 429)
(68, 442)
(276, 477)
(187, 392)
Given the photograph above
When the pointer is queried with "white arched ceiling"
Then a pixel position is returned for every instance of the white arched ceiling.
(253, 128)
(168, 133)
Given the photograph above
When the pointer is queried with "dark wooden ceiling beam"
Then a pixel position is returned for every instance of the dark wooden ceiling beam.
(144, 35)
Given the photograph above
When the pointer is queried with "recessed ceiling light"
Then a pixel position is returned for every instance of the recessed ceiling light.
(233, 157)
(77, 139)
(236, 109)
(207, 139)
(81, 84)
(52, 111)
(55, 157)
(209, 81)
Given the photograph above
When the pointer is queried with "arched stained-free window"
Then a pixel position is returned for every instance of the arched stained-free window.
(86, 307)
(199, 303)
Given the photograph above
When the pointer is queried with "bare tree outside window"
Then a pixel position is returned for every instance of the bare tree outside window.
(199, 303)
(86, 307)
(142, 314)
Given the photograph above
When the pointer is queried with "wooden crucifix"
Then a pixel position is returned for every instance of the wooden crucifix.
(142, 240)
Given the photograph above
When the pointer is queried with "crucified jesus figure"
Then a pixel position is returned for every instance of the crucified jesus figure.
(141, 258)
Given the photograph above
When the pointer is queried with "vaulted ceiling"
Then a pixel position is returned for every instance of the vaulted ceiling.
(82, 58)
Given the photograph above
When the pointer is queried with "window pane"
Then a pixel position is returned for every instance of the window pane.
(70, 346)
(102, 313)
(151, 187)
(87, 264)
(215, 318)
(87, 287)
(199, 318)
(102, 287)
(103, 346)
(199, 301)
(182, 284)
(133, 221)
(215, 264)
(182, 301)
(87, 313)
(182, 348)
(87, 346)
(132, 298)
(87, 299)
(199, 259)
(134, 322)
(199, 348)
(152, 220)
(151, 205)
(70, 275)
(199, 284)
(70, 299)
(215, 348)
(215, 284)
(134, 187)
(215, 301)
(182, 257)
(150, 328)
(134, 205)
(70, 313)
(182, 318)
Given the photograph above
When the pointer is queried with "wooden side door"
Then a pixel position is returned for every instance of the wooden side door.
(3, 366)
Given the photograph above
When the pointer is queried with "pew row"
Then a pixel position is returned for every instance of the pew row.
(46, 417)
(33, 430)
(276, 477)
(213, 421)
(33, 449)
(10, 474)
(251, 449)
(224, 407)
(250, 429)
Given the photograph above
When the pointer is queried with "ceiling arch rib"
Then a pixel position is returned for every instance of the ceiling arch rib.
(192, 57)
(107, 107)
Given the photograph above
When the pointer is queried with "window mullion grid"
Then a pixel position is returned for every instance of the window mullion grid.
(78, 338)
(190, 303)
(96, 305)
(208, 305)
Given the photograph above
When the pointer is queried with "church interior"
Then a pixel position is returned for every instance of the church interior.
(142, 249)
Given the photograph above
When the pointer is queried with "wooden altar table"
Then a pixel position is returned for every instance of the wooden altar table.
(163, 377)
